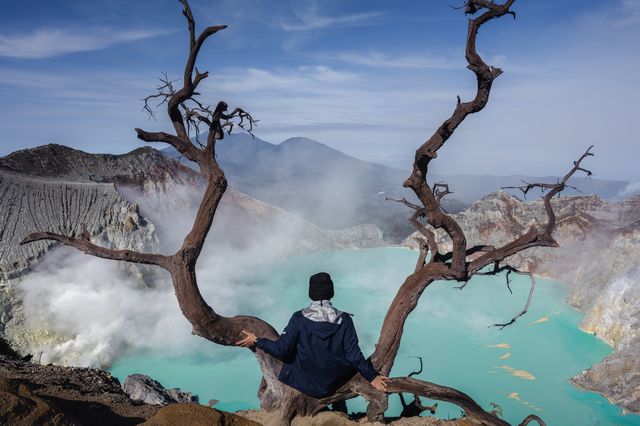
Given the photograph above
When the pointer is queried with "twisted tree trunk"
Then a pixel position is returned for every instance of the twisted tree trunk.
(188, 114)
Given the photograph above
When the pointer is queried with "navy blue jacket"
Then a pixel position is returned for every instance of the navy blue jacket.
(318, 357)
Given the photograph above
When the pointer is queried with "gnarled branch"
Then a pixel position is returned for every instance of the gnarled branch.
(185, 148)
(443, 393)
(407, 297)
(533, 237)
(556, 188)
(510, 269)
(84, 245)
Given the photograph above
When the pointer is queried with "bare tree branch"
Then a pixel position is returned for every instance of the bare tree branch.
(407, 297)
(439, 194)
(419, 370)
(405, 202)
(498, 269)
(182, 264)
(83, 244)
(164, 92)
(185, 148)
(533, 237)
(423, 246)
(430, 245)
(530, 418)
(556, 189)
(443, 393)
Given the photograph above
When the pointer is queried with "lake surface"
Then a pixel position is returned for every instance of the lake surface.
(523, 368)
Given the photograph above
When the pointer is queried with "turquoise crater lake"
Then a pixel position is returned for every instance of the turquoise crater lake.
(523, 368)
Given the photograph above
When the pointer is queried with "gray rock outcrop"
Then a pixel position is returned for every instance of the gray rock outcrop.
(143, 388)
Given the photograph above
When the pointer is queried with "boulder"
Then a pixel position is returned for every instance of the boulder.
(143, 388)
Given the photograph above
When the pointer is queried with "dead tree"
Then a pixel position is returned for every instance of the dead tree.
(188, 114)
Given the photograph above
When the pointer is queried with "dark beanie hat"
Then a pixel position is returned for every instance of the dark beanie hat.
(320, 286)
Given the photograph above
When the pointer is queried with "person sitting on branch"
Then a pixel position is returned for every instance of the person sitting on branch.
(319, 346)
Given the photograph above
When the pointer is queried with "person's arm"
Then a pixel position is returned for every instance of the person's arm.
(355, 357)
(278, 348)
(354, 354)
(285, 344)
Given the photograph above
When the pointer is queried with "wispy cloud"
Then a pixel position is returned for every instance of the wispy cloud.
(301, 79)
(77, 86)
(49, 42)
(629, 13)
(622, 14)
(311, 19)
(379, 59)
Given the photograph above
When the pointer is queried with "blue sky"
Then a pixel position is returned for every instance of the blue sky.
(371, 78)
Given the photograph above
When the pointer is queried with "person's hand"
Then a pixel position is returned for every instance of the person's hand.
(248, 341)
(380, 383)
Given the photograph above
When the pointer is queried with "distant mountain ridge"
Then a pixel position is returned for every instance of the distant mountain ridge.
(321, 184)
(335, 190)
(64, 163)
(470, 188)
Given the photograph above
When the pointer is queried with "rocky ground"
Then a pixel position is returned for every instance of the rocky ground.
(330, 418)
(598, 257)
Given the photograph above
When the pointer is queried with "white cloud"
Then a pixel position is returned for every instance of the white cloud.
(382, 60)
(300, 79)
(311, 19)
(327, 74)
(615, 16)
(49, 42)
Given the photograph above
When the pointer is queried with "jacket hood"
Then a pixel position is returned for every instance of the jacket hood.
(321, 329)
(322, 310)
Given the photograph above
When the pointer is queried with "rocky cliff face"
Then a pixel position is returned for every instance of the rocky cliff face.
(598, 257)
(58, 189)
(62, 190)
(143, 200)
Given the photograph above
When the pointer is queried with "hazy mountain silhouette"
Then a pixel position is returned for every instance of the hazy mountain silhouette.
(335, 190)
(323, 185)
